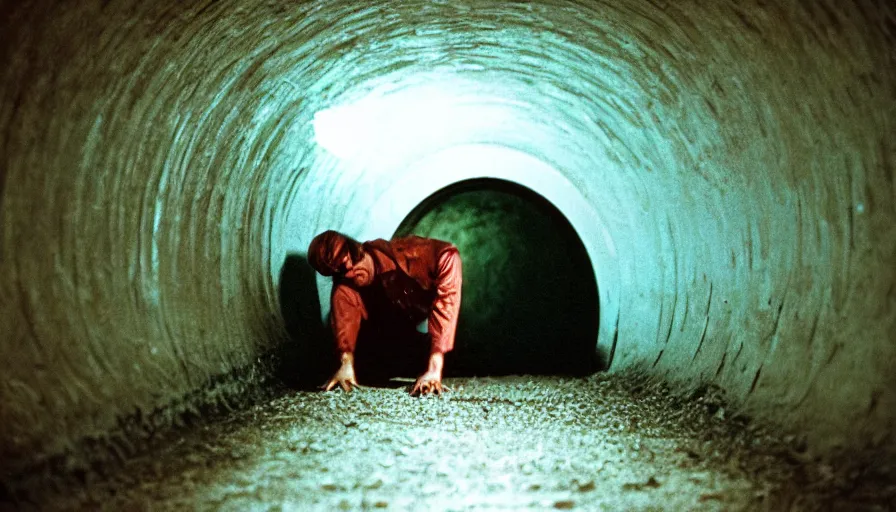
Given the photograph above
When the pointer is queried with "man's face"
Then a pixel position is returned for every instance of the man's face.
(360, 272)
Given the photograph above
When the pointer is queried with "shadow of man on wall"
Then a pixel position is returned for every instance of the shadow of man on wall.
(306, 359)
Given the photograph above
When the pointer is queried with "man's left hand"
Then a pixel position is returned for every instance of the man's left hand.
(429, 382)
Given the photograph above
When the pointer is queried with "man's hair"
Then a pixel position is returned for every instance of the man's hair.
(328, 249)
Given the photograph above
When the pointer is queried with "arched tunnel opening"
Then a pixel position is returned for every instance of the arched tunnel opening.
(530, 303)
(721, 176)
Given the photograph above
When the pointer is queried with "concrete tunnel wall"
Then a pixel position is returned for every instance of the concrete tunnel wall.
(730, 169)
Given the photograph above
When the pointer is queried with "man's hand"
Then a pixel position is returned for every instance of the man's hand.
(431, 381)
(345, 376)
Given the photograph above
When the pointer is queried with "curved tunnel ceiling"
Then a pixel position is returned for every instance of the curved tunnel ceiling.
(731, 163)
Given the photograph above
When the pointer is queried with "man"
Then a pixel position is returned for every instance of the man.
(383, 290)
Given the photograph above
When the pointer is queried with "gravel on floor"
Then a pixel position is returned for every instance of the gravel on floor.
(604, 442)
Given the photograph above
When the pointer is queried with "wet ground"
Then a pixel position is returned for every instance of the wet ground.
(606, 442)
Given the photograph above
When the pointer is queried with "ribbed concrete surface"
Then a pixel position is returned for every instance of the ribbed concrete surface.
(734, 162)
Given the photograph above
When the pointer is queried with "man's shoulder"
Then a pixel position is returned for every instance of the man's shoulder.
(415, 242)
(412, 239)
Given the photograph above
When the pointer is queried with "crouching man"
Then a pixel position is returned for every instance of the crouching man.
(382, 290)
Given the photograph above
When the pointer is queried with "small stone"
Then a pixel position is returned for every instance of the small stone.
(496, 486)
(650, 483)
(195, 459)
(826, 472)
(564, 504)
(586, 486)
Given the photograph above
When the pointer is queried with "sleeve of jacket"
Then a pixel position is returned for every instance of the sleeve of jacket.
(446, 307)
(346, 312)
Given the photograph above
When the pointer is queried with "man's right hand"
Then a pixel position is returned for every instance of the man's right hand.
(345, 376)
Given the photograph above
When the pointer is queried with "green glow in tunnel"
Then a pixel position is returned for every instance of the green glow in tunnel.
(530, 297)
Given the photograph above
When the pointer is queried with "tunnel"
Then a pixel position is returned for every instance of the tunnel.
(677, 198)
(532, 307)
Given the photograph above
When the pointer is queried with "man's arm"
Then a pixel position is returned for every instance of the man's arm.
(442, 321)
(346, 312)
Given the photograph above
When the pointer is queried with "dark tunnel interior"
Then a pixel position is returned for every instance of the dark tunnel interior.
(530, 296)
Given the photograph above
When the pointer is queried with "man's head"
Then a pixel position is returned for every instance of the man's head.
(333, 254)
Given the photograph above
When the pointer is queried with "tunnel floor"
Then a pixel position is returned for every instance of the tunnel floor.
(607, 441)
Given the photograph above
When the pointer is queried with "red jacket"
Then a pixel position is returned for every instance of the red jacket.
(416, 278)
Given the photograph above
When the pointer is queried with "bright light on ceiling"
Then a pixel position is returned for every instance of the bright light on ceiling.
(380, 123)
